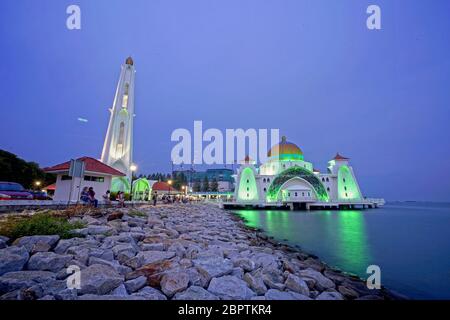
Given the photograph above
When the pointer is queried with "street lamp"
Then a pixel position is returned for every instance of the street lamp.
(133, 168)
(170, 185)
(37, 183)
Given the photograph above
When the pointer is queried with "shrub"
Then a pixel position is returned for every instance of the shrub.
(43, 223)
(136, 213)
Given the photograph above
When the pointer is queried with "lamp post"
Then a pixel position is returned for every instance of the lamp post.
(37, 184)
(170, 185)
(133, 168)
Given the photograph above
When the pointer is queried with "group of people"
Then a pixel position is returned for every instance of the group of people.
(88, 197)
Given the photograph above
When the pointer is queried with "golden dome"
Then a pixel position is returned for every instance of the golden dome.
(286, 151)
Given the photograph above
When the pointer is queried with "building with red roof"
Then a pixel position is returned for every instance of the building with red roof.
(96, 175)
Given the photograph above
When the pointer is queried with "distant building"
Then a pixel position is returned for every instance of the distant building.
(97, 175)
(224, 177)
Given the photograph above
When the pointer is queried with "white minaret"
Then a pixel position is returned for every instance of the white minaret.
(118, 147)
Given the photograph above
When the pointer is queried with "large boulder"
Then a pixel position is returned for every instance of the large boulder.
(40, 241)
(99, 279)
(330, 295)
(174, 282)
(23, 279)
(13, 259)
(256, 283)
(150, 293)
(273, 294)
(148, 257)
(213, 267)
(297, 284)
(135, 284)
(195, 293)
(230, 288)
(321, 282)
(48, 261)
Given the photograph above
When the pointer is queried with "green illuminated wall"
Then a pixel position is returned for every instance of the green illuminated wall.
(141, 187)
(347, 186)
(120, 184)
(248, 190)
(275, 186)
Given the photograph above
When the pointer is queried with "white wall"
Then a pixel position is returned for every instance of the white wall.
(62, 191)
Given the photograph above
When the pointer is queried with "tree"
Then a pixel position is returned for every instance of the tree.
(205, 185)
(14, 169)
(214, 185)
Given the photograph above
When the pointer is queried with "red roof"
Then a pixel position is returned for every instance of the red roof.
(339, 157)
(51, 187)
(162, 186)
(316, 170)
(91, 165)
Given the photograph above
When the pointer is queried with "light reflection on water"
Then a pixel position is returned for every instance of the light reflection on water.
(410, 243)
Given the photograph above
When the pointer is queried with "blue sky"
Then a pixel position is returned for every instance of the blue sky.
(310, 68)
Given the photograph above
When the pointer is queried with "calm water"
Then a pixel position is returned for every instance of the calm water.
(409, 241)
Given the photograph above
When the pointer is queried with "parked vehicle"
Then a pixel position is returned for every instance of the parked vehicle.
(40, 195)
(13, 191)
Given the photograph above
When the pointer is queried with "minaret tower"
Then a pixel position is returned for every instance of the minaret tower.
(118, 147)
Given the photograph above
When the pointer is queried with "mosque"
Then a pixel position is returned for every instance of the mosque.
(287, 179)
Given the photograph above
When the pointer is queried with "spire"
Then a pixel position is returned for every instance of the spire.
(129, 61)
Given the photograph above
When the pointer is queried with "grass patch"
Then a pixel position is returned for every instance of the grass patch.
(137, 213)
(44, 223)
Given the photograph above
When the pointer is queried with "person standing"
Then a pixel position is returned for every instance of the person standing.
(155, 198)
(92, 199)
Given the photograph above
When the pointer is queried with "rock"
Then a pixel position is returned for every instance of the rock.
(23, 279)
(332, 295)
(120, 291)
(153, 272)
(297, 284)
(273, 294)
(197, 279)
(237, 272)
(152, 246)
(48, 261)
(115, 216)
(256, 283)
(173, 282)
(124, 252)
(150, 293)
(12, 259)
(94, 230)
(178, 248)
(65, 244)
(104, 254)
(3, 244)
(99, 279)
(185, 263)
(155, 256)
(348, 292)
(195, 293)
(321, 282)
(213, 267)
(272, 278)
(265, 260)
(245, 263)
(135, 284)
(230, 288)
(30, 241)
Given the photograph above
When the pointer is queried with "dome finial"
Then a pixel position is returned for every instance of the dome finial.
(129, 61)
(283, 139)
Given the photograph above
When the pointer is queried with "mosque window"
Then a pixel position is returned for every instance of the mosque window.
(343, 179)
(125, 96)
(303, 194)
(328, 180)
(248, 189)
(264, 180)
(328, 189)
(323, 179)
(346, 195)
(248, 195)
(309, 194)
(248, 181)
(265, 189)
(268, 180)
(296, 194)
(345, 188)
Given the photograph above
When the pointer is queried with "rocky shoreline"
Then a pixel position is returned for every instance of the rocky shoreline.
(179, 251)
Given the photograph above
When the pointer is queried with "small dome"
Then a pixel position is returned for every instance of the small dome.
(129, 61)
(286, 151)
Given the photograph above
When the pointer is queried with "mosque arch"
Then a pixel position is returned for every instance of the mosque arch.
(299, 172)
(141, 189)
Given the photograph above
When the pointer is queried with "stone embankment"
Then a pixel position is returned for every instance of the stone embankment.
(181, 252)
